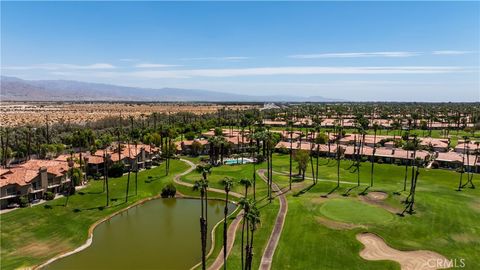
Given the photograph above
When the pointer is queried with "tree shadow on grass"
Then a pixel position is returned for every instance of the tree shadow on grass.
(347, 192)
(398, 193)
(96, 192)
(330, 192)
(152, 179)
(364, 192)
(303, 191)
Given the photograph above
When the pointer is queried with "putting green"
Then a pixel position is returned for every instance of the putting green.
(353, 211)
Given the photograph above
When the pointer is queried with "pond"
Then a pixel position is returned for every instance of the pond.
(159, 234)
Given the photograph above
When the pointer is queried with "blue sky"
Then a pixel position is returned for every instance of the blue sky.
(410, 51)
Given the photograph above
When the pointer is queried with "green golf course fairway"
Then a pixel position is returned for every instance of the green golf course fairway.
(353, 211)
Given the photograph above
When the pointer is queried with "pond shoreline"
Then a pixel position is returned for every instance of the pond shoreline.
(92, 228)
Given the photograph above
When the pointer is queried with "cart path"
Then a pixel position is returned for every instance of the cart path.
(232, 229)
(192, 165)
(267, 257)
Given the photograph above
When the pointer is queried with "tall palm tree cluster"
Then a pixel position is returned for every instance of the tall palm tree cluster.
(250, 216)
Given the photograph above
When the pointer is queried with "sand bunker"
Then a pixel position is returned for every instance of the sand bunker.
(377, 195)
(376, 249)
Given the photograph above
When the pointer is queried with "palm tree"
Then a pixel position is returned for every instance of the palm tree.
(290, 130)
(71, 164)
(202, 185)
(462, 166)
(227, 186)
(375, 128)
(129, 170)
(254, 172)
(312, 132)
(136, 168)
(339, 156)
(253, 218)
(246, 183)
(106, 158)
(476, 153)
(415, 172)
(318, 141)
(246, 205)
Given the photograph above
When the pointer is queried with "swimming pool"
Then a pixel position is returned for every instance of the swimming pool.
(237, 161)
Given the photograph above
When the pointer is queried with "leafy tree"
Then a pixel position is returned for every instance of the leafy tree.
(197, 148)
(301, 157)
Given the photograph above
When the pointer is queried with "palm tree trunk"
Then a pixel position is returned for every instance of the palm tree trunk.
(242, 242)
(254, 179)
(316, 170)
(136, 180)
(406, 173)
(250, 256)
(202, 231)
(247, 246)
(225, 212)
(106, 185)
(128, 185)
(291, 153)
(373, 157)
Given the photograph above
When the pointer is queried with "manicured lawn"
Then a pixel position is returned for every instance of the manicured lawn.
(446, 221)
(353, 211)
(235, 172)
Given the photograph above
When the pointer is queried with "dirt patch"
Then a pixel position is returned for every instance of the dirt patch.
(465, 238)
(378, 199)
(476, 205)
(337, 225)
(376, 250)
(41, 249)
(320, 199)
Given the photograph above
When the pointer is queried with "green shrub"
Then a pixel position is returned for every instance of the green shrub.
(283, 150)
(49, 196)
(169, 191)
(116, 170)
(23, 201)
(190, 135)
(71, 189)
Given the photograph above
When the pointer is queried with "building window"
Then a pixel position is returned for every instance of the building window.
(36, 185)
(11, 191)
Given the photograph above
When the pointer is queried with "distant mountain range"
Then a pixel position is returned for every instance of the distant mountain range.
(16, 89)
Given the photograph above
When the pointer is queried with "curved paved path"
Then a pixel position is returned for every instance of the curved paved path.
(267, 257)
(177, 180)
(232, 229)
